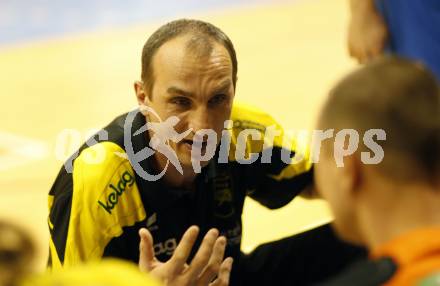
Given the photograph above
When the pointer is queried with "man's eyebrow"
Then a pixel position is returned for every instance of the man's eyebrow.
(176, 90)
(223, 86)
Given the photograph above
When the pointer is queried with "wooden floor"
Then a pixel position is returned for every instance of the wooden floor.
(289, 55)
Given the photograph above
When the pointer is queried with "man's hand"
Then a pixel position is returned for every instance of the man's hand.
(206, 265)
(367, 32)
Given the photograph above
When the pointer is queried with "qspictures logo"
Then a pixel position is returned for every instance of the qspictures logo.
(126, 181)
(237, 134)
(163, 133)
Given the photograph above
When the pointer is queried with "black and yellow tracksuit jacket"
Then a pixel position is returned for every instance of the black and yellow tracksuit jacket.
(97, 209)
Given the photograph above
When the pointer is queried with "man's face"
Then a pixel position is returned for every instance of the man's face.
(335, 185)
(196, 87)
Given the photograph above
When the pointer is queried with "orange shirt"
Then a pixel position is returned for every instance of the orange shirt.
(417, 255)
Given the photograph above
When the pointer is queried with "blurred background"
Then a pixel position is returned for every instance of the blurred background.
(67, 69)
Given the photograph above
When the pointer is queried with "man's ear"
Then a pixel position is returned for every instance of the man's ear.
(351, 174)
(141, 94)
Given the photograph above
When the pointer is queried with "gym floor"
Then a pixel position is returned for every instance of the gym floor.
(67, 66)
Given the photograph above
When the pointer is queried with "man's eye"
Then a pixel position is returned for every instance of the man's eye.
(217, 99)
(181, 101)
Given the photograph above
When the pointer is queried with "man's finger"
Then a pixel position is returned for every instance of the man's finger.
(183, 250)
(213, 267)
(377, 49)
(146, 250)
(203, 255)
(357, 53)
(362, 57)
(350, 50)
(224, 273)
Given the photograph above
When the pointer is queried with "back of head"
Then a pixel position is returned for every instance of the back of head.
(402, 98)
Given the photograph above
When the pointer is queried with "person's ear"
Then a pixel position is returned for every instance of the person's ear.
(351, 175)
(141, 93)
(234, 87)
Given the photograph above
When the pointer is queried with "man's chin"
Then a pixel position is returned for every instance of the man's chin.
(187, 162)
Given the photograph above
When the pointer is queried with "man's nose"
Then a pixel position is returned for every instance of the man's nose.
(200, 119)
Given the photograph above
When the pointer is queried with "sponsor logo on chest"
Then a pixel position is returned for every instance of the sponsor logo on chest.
(223, 197)
(167, 247)
(126, 180)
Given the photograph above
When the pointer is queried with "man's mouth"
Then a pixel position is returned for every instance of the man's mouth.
(196, 144)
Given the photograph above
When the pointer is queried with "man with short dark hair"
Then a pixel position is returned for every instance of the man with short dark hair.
(125, 179)
(390, 206)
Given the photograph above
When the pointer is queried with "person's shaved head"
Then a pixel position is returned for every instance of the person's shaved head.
(202, 36)
(403, 99)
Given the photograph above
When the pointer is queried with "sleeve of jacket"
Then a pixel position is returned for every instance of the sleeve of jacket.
(281, 167)
(89, 206)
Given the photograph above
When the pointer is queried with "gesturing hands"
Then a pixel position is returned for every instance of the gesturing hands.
(207, 264)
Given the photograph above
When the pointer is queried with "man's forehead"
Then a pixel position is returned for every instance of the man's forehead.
(180, 57)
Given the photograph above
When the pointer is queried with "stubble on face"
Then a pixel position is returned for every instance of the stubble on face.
(196, 87)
